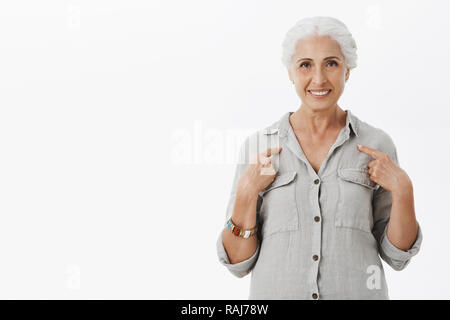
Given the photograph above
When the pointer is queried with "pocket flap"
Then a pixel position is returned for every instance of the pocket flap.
(280, 180)
(358, 175)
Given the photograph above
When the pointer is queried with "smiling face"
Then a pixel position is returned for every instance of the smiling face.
(319, 72)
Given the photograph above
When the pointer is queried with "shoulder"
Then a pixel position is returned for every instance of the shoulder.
(272, 129)
(261, 139)
(376, 138)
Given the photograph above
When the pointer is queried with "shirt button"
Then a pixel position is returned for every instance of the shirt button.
(316, 181)
(316, 218)
(315, 257)
(315, 296)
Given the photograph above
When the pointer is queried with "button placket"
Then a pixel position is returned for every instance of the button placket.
(316, 237)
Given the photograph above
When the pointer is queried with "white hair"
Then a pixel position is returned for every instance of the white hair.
(309, 27)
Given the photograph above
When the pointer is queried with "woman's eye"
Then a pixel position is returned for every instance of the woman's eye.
(307, 64)
(332, 62)
(304, 64)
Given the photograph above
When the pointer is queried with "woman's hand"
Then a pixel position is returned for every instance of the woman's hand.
(259, 173)
(386, 173)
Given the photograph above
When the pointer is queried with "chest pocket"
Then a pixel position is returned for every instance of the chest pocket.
(354, 208)
(278, 211)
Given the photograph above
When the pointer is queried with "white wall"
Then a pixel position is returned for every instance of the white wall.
(96, 98)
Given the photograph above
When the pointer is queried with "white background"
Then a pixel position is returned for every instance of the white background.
(119, 123)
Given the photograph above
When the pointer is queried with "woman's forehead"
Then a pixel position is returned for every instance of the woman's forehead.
(317, 47)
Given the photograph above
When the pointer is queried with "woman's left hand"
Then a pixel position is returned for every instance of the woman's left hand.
(386, 173)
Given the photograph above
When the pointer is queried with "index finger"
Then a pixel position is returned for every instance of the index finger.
(271, 151)
(370, 151)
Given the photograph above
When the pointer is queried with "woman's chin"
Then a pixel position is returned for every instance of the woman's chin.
(322, 105)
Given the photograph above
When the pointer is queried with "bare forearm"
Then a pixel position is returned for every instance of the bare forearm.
(244, 216)
(402, 228)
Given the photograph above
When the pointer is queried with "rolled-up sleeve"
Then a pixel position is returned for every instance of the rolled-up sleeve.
(382, 203)
(239, 269)
(242, 268)
(398, 259)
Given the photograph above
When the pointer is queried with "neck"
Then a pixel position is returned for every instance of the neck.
(318, 122)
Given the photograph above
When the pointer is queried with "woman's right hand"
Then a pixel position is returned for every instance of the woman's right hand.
(259, 173)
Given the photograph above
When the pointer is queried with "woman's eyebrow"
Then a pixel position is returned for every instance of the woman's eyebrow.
(331, 57)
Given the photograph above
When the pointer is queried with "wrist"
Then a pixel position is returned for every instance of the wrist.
(246, 193)
(241, 230)
(244, 222)
(244, 214)
(403, 192)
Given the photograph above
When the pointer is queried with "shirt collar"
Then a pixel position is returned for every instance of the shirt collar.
(351, 123)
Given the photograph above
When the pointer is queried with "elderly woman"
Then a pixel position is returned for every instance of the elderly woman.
(318, 196)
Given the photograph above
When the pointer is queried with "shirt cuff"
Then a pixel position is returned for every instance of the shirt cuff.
(400, 257)
(239, 269)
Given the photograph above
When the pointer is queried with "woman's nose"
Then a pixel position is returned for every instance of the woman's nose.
(319, 77)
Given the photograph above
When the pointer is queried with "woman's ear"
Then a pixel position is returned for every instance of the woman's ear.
(290, 76)
(347, 75)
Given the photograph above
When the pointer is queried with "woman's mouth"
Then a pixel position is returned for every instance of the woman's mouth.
(320, 94)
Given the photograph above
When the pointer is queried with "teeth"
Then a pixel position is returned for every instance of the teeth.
(320, 93)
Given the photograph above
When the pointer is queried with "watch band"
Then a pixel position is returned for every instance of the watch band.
(239, 232)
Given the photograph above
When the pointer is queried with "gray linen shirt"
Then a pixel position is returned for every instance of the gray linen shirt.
(321, 234)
